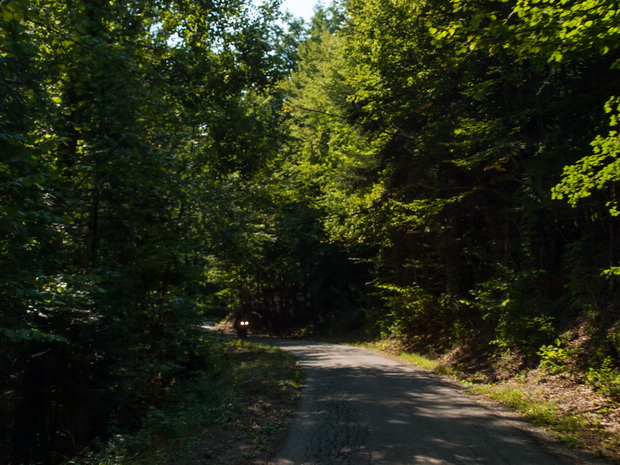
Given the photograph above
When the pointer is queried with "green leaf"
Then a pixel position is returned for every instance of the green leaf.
(7, 16)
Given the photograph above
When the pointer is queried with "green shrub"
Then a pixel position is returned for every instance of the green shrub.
(556, 359)
(411, 312)
(512, 312)
(605, 379)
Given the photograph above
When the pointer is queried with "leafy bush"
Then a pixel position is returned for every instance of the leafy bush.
(511, 311)
(555, 359)
(411, 312)
(605, 379)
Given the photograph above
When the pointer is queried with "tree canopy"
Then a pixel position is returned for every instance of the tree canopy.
(438, 172)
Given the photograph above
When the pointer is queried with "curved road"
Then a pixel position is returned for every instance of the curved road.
(361, 408)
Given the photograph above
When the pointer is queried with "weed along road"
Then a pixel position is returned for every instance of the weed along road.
(362, 408)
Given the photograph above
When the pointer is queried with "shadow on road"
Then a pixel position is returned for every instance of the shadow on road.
(359, 407)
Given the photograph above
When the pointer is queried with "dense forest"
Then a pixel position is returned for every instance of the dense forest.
(439, 172)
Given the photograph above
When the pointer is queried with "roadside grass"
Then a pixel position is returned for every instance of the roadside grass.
(231, 414)
(536, 409)
(429, 364)
(394, 349)
(573, 428)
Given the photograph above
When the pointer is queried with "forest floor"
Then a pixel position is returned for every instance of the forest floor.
(249, 431)
(235, 414)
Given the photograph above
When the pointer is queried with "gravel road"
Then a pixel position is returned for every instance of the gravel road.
(362, 408)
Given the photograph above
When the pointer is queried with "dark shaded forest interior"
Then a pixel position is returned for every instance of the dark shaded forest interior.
(441, 173)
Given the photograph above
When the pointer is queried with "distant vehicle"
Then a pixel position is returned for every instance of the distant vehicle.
(242, 325)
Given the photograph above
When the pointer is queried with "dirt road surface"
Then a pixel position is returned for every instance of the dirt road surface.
(362, 408)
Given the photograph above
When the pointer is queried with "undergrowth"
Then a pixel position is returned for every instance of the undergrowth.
(241, 402)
